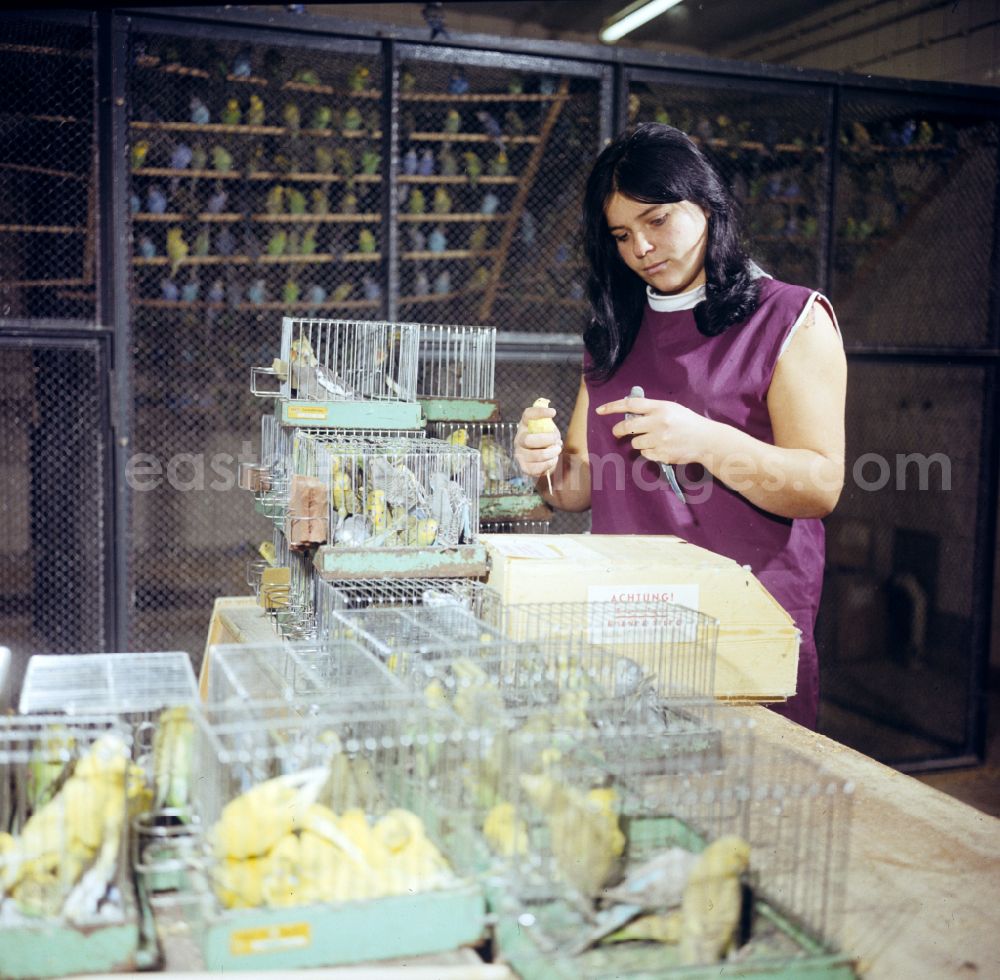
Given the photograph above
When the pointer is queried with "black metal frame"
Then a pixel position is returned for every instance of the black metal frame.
(614, 67)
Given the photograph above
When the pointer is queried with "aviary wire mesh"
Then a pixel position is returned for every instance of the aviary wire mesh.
(54, 507)
(48, 186)
(770, 148)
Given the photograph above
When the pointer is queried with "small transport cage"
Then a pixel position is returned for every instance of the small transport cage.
(507, 496)
(399, 508)
(320, 847)
(353, 374)
(68, 789)
(455, 374)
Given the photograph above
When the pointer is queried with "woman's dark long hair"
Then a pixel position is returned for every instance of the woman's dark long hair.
(657, 164)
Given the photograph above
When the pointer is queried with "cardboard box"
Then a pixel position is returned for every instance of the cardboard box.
(757, 656)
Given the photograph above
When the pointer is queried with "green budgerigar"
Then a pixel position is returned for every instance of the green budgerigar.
(140, 150)
(231, 113)
(415, 203)
(255, 111)
(452, 121)
(277, 243)
(341, 292)
(296, 201)
(291, 115)
(357, 81)
(290, 292)
(320, 201)
(442, 201)
(344, 160)
(447, 161)
(473, 165)
(352, 120)
(349, 202)
(202, 243)
(477, 238)
(222, 159)
(324, 160)
(366, 241)
(308, 245)
(321, 118)
(177, 249)
(274, 203)
(370, 161)
(499, 165)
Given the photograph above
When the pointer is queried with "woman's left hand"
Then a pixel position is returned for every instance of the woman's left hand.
(662, 431)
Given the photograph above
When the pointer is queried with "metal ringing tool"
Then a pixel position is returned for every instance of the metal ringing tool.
(666, 468)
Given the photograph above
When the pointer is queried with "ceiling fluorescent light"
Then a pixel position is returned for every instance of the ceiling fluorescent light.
(633, 16)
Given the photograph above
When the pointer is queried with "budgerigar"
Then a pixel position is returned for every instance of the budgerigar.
(231, 114)
(447, 161)
(252, 823)
(177, 249)
(710, 908)
(291, 115)
(140, 151)
(473, 166)
(410, 162)
(308, 244)
(353, 120)
(173, 758)
(322, 116)
(584, 834)
(296, 201)
(290, 292)
(546, 424)
(255, 113)
(370, 161)
(495, 463)
(323, 159)
(437, 242)
(426, 166)
(199, 111)
(366, 241)
(505, 831)
(274, 203)
(222, 159)
(358, 78)
(490, 203)
(416, 203)
(442, 201)
(499, 165)
(277, 243)
(452, 121)
(478, 237)
(320, 201)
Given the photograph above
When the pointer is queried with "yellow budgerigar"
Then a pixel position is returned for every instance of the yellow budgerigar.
(584, 834)
(710, 908)
(505, 831)
(546, 424)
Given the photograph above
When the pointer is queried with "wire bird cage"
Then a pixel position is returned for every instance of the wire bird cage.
(66, 792)
(301, 672)
(353, 374)
(412, 496)
(669, 874)
(456, 371)
(508, 497)
(320, 819)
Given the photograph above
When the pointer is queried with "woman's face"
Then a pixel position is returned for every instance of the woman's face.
(663, 244)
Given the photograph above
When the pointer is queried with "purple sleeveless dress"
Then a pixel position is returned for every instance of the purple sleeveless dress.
(724, 378)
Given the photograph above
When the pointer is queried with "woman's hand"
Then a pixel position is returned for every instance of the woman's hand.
(537, 453)
(662, 431)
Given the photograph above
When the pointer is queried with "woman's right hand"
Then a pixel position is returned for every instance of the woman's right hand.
(537, 453)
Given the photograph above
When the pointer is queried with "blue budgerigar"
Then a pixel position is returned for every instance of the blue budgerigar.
(421, 284)
(410, 162)
(180, 156)
(370, 289)
(437, 242)
(156, 200)
(189, 291)
(225, 243)
(217, 293)
(490, 203)
(458, 84)
(216, 203)
(241, 67)
(426, 167)
(491, 126)
(257, 293)
(169, 290)
(146, 247)
(442, 282)
(315, 294)
(199, 111)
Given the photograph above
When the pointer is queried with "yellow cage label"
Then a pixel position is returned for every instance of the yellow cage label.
(307, 411)
(270, 939)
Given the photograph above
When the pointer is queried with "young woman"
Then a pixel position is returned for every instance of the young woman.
(744, 381)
